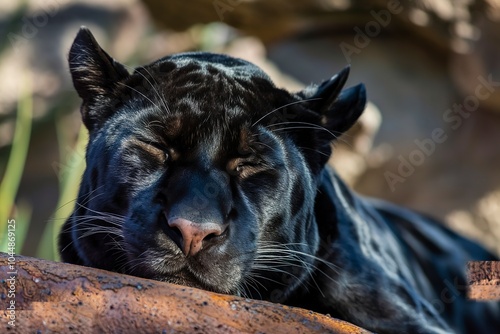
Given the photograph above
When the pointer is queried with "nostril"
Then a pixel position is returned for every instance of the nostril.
(216, 235)
(174, 233)
(211, 236)
(176, 230)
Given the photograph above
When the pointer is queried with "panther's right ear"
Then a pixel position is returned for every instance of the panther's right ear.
(95, 75)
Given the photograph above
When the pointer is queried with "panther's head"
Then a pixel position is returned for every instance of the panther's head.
(200, 171)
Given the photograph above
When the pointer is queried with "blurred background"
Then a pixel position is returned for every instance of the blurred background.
(429, 138)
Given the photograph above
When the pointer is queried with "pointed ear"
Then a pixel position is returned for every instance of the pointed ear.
(335, 110)
(95, 75)
(345, 110)
(339, 109)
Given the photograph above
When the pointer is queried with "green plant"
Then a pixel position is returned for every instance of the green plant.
(70, 173)
(14, 170)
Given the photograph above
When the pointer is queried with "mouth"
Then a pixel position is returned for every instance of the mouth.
(186, 277)
(159, 256)
(165, 262)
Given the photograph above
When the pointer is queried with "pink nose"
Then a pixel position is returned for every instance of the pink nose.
(194, 235)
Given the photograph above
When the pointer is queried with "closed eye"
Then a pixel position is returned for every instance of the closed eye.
(158, 146)
(156, 150)
(243, 167)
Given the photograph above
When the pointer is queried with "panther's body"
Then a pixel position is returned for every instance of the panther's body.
(201, 172)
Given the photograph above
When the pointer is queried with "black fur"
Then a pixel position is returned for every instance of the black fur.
(210, 139)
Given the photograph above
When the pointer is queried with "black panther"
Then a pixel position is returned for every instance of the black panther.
(201, 172)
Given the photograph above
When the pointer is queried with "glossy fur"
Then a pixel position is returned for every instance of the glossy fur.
(210, 139)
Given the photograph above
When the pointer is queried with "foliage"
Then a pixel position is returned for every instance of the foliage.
(14, 170)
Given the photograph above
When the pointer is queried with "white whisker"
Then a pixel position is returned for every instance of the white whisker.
(143, 95)
(284, 106)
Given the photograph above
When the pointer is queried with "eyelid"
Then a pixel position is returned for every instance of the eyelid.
(169, 152)
(236, 165)
(162, 146)
(244, 159)
(160, 151)
(233, 164)
(159, 146)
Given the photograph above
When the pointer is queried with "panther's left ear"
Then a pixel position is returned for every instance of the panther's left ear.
(339, 109)
(335, 110)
